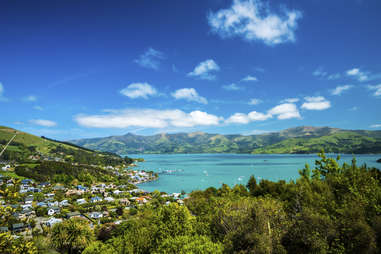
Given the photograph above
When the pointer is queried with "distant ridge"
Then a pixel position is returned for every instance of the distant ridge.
(302, 139)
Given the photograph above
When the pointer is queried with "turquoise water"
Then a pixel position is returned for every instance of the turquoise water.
(199, 171)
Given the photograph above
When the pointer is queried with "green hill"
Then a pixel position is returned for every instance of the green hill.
(26, 147)
(304, 139)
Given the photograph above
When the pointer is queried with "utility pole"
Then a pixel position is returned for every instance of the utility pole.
(8, 144)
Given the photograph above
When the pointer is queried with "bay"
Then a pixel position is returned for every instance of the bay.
(190, 172)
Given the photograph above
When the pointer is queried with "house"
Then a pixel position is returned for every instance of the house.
(52, 221)
(42, 204)
(26, 181)
(180, 202)
(96, 199)
(4, 229)
(6, 167)
(26, 206)
(124, 201)
(96, 215)
(81, 201)
(81, 188)
(109, 199)
(58, 187)
(49, 195)
(73, 215)
(141, 200)
(117, 192)
(64, 203)
(53, 204)
(44, 184)
(29, 199)
(19, 227)
(54, 210)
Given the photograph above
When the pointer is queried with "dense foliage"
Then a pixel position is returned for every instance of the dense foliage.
(331, 209)
(61, 172)
(295, 140)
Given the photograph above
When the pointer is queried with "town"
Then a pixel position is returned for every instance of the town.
(31, 207)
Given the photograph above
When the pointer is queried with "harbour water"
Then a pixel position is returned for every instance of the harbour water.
(189, 172)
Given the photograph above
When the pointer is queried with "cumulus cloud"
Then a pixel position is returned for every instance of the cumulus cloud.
(253, 20)
(290, 100)
(375, 126)
(241, 118)
(255, 101)
(358, 74)
(205, 70)
(249, 78)
(232, 87)
(376, 89)
(282, 111)
(340, 89)
(148, 118)
(285, 111)
(150, 59)
(189, 94)
(136, 90)
(316, 103)
(43, 122)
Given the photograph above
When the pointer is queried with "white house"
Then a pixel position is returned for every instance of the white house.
(52, 221)
(96, 215)
(109, 199)
(64, 203)
(81, 201)
(53, 210)
(6, 167)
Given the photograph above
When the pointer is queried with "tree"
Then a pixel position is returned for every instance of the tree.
(72, 236)
(196, 244)
(252, 185)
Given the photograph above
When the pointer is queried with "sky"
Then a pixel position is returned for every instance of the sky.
(80, 69)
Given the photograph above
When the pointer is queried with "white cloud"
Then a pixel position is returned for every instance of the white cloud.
(255, 101)
(253, 20)
(290, 100)
(148, 118)
(253, 116)
(43, 122)
(375, 126)
(150, 59)
(377, 89)
(249, 78)
(205, 70)
(38, 108)
(232, 87)
(136, 90)
(340, 89)
(316, 103)
(334, 76)
(358, 74)
(2, 98)
(189, 94)
(285, 111)
(30, 98)
(319, 72)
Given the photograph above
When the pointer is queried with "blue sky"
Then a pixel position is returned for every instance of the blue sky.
(76, 69)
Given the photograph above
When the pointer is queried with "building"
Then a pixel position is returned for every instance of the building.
(54, 210)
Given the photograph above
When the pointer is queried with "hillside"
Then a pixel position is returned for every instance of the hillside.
(26, 146)
(304, 139)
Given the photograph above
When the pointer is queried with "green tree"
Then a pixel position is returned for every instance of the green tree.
(72, 236)
(195, 244)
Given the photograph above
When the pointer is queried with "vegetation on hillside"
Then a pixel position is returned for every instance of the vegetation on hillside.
(27, 147)
(332, 208)
(295, 140)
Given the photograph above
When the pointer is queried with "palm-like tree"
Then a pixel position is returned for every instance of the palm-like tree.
(72, 236)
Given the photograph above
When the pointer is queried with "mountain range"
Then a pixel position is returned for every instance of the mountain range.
(303, 139)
